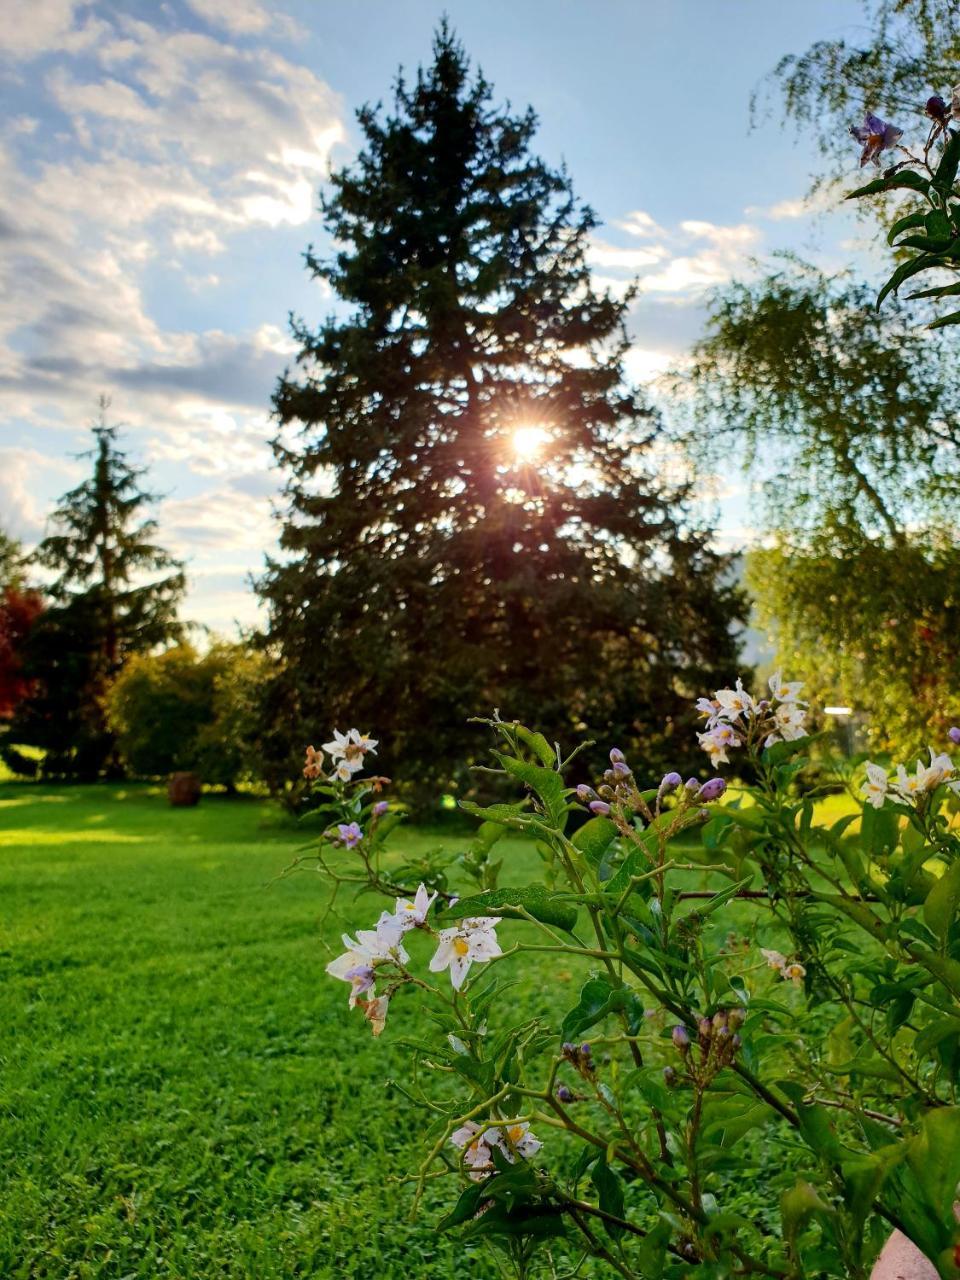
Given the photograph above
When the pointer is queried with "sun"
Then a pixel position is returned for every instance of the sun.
(527, 442)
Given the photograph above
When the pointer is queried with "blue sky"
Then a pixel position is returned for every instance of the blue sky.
(159, 164)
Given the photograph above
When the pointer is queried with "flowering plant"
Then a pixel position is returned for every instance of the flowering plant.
(931, 233)
(759, 1074)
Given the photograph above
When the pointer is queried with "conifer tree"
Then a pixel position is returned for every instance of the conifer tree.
(114, 593)
(476, 515)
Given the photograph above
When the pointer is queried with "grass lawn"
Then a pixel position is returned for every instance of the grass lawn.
(183, 1092)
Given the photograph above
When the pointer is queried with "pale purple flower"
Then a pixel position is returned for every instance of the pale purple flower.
(876, 136)
(380, 808)
(350, 834)
(954, 735)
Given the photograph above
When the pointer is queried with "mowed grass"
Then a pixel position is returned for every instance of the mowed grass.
(183, 1092)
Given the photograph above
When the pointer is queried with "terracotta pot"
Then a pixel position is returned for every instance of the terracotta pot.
(183, 790)
(900, 1259)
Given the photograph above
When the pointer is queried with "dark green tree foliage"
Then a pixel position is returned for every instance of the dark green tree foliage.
(431, 571)
(851, 419)
(114, 593)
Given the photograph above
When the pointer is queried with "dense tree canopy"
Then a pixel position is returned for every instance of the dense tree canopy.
(113, 593)
(478, 513)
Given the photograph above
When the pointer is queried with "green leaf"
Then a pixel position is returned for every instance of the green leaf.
(537, 743)
(952, 318)
(609, 1193)
(907, 269)
(594, 838)
(879, 830)
(935, 1033)
(908, 223)
(922, 262)
(547, 784)
(507, 815)
(940, 907)
(938, 225)
(947, 168)
(598, 999)
(905, 178)
(721, 898)
(941, 291)
(535, 899)
(934, 1158)
(798, 1206)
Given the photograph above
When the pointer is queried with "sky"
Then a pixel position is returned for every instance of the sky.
(160, 165)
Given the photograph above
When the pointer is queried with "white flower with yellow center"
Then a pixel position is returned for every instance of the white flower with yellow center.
(735, 702)
(473, 939)
(781, 692)
(716, 741)
(876, 785)
(412, 913)
(514, 1140)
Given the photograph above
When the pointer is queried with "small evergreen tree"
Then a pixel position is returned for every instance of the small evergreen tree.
(477, 512)
(107, 602)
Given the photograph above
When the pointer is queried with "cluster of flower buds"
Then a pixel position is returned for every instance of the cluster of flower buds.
(712, 1046)
(735, 718)
(619, 790)
(580, 1057)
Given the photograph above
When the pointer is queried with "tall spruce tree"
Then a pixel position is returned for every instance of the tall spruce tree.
(114, 593)
(476, 518)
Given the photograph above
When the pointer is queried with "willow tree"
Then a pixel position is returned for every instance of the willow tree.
(479, 510)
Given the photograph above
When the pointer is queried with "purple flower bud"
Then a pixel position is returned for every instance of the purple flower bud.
(937, 109)
(585, 1049)
(621, 770)
(680, 1039)
(736, 1018)
(569, 1049)
(380, 808)
(669, 782)
(692, 784)
(712, 790)
(564, 1094)
(585, 793)
(954, 735)
(617, 756)
(720, 1018)
(599, 806)
(736, 1043)
(705, 1027)
(669, 1077)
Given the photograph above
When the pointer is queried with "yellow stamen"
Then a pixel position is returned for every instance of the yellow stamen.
(461, 946)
